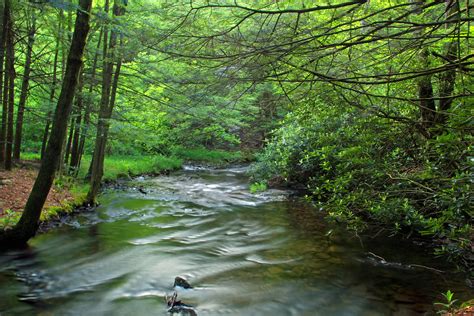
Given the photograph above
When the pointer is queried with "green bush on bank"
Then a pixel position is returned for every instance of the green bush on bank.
(362, 169)
(214, 156)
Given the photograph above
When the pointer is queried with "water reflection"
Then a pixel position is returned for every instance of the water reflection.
(244, 254)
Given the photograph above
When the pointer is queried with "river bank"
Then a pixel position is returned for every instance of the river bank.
(15, 187)
(69, 193)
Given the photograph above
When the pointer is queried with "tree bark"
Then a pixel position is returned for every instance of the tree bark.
(87, 110)
(24, 89)
(106, 109)
(3, 132)
(52, 92)
(64, 39)
(29, 221)
(77, 128)
(5, 7)
(69, 138)
(10, 71)
(427, 104)
(448, 78)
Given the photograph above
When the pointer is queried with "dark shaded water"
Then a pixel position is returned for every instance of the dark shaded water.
(244, 254)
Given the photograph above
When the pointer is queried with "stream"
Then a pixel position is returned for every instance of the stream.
(243, 253)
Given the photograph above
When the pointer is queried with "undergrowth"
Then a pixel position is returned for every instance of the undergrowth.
(125, 166)
(207, 155)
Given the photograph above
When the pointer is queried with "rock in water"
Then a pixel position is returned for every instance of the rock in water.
(175, 306)
(181, 282)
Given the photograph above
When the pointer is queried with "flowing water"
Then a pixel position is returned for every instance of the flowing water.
(243, 253)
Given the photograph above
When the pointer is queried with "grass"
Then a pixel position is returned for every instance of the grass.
(207, 155)
(30, 156)
(124, 166)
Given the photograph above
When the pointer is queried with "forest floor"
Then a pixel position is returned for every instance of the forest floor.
(16, 185)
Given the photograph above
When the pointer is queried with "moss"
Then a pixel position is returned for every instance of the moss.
(78, 192)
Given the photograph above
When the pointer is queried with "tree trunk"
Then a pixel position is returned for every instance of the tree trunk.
(69, 138)
(448, 78)
(3, 132)
(29, 221)
(105, 111)
(425, 93)
(87, 110)
(64, 39)
(46, 134)
(24, 89)
(10, 70)
(5, 7)
(52, 92)
(60, 166)
(77, 128)
(101, 142)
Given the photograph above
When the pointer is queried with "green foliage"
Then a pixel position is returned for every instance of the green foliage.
(9, 219)
(30, 156)
(125, 166)
(448, 306)
(360, 172)
(258, 187)
(206, 155)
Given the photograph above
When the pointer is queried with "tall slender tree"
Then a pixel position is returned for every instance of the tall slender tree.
(54, 83)
(24, 87)
(76, 127)
(107, 103)
(84, 131)
(5, 14)
(10, 72)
